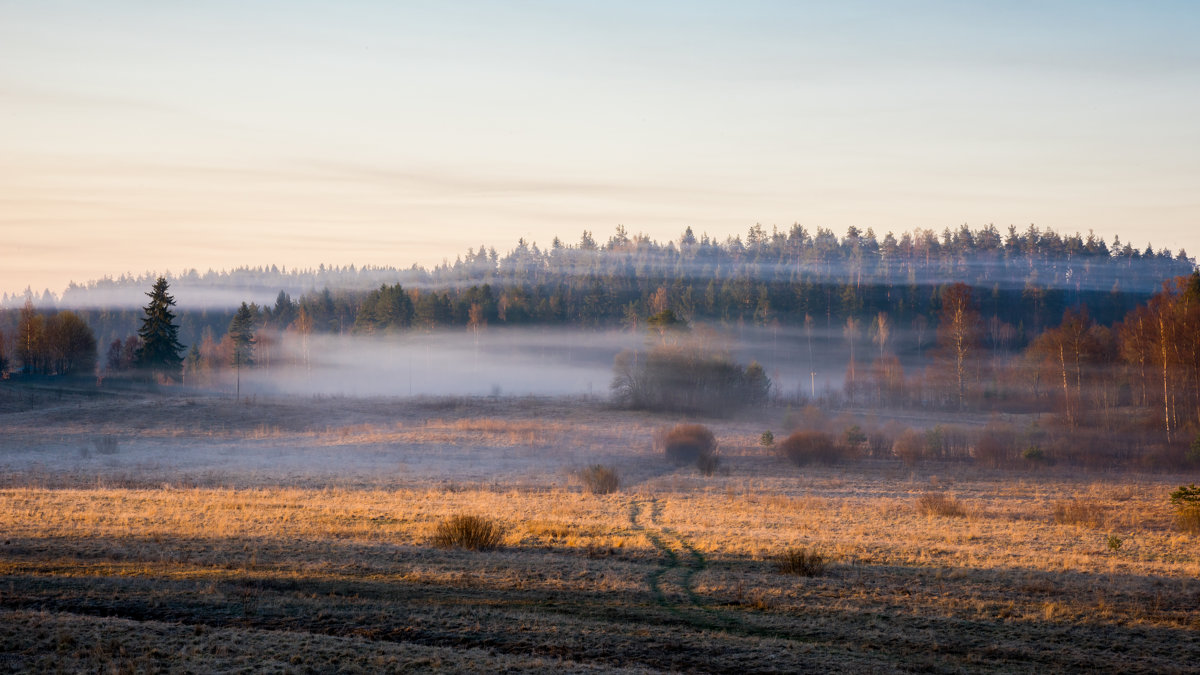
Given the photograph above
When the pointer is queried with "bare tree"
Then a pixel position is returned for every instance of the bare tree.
(958, 333)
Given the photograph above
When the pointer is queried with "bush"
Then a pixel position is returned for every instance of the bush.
(1186, 499)
(687, 379)
(879, 444)
(1076, 512)
(1034, 454)
(475, 533)
(854, 436)
(807, 447)
(687, 443)
(996, 446)
(708, 464)
(909, 446)
(599, 479)
(802, 562)
(767, 440)
(939, 504)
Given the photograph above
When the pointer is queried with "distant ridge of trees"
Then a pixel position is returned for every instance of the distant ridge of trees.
(1022, 281)
(981, 257)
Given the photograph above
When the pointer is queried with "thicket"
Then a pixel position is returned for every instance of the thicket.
(811, 447)
(686, 379)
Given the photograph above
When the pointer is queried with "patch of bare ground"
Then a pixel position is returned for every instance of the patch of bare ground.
(311, 546)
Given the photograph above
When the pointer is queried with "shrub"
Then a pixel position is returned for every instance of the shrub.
(939, 504)
(1186, 499)
(879, 444)
(708, 464)
(909, 446)
(687, 443)
(854, 436)
(767, 440)
(1185, 495)
(807, 447)
(1076, 512)
(1034, 454)
(599, 479)
(802, 562)
(996, 446)
(475, 533)
(1114, 543)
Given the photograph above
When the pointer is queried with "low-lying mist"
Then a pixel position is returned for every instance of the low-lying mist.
(512, 361)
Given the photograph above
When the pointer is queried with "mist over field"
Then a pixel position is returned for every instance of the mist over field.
(514, 361)
(524, 361)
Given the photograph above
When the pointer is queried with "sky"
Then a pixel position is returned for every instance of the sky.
(161, 136)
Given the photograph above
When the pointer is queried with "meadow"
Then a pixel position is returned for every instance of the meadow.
(189, 534)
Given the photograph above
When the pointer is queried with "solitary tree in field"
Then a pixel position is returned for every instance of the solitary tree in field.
(241, 332)
(161, 353)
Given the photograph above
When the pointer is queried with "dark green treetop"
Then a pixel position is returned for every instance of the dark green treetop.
(241, 331)
(161, 351)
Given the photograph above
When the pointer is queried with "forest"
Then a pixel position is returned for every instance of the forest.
(1101, 336)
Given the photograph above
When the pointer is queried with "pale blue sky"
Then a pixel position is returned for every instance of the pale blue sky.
(141, 136)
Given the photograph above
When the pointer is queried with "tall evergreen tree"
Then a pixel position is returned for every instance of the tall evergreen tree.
(241, 332)
(161, 351)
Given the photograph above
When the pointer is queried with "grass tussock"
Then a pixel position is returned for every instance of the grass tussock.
(474, 533)
(1187, 519)
(940, 504)
(801, 562)
(1078, 512)
(599, 479)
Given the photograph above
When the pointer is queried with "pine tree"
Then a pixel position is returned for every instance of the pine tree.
(241, 332)
(160, 352)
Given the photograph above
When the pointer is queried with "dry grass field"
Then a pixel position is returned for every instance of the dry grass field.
(296, 536)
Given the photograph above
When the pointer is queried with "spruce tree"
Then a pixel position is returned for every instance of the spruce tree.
(161, 352)
(241, 332)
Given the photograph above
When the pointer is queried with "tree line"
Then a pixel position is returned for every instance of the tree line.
(1050, 335)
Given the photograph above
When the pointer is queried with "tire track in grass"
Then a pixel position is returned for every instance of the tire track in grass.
(671, 560)
(694, 610)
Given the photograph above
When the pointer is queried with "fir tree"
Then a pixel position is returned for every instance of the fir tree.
(241, 332)
(160, 352)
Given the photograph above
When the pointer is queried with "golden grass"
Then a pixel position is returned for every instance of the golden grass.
(99, 576)
(940, 504)
(1086, 512)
